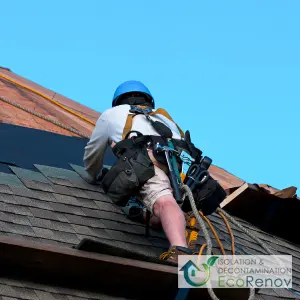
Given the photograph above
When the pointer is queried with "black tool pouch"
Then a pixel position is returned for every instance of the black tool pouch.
(132, 169)
(207, 197)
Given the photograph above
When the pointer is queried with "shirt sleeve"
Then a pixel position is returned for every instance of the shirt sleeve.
(95, 148)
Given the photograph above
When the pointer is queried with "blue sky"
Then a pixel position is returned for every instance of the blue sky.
(226, 70)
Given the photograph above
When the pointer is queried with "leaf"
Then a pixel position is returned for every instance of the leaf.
(211, 261)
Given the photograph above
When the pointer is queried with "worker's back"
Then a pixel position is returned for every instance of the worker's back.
(116, 118)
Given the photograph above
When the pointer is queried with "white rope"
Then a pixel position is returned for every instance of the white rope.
(190, 196)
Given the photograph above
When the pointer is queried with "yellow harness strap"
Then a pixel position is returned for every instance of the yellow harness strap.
(128, 125)
(161, 111)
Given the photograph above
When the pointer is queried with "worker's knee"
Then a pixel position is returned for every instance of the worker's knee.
(165, 204)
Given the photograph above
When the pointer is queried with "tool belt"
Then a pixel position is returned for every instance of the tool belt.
(133, 167)
(131, 170)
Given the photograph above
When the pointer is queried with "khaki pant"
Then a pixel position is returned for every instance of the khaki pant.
(157, 186)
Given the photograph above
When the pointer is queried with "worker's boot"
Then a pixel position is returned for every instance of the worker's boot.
(172, 254)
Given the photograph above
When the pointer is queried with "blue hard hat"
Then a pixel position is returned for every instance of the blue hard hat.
(131, 86)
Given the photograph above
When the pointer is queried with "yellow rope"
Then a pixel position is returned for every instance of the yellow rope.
(200, 253)
(213, 231)
(230, 232)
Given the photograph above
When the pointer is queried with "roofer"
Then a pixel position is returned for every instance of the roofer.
(138, 170)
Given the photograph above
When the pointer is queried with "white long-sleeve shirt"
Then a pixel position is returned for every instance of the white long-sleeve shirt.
(109, 128)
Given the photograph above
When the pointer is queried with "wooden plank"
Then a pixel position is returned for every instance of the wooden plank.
(234, 195)
(111, 275)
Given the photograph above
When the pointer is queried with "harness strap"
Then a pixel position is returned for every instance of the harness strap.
(161, 111)
(128, 125)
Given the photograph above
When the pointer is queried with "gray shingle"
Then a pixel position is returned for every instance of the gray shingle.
(125, 237)
(32, 202)
(108, 207)
(40, 186)
(11, 180)
(51, 225)
(16, 209)
(32, 179)
(85, 221)
(83, 230)
(20, 229)
(123, 227)
(83, 174)
(64, 199)
(78, 193)
(42, 295)
(56, 243)
(100, 233)
(43, 233)
(42, 195)
(283, 293)
(98, 196)
(62, 176)
(47, 214)
(4, 188)
(105, 215)
(159, 242)
(29, 174)
(70, 209)
(66, 237)
(61, 181)
(88, 203)
(6, 198)
(22, 191)
(6, 290)
(62, 190)
(4, 227)
(49, 171)
(25, 293)
(60, 297)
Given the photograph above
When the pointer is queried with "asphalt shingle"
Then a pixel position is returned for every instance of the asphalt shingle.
(46, 206)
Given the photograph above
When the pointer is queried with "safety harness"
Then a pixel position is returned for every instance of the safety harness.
(135, 110)
(134, 166)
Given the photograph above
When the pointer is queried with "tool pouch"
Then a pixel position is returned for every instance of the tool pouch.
(207, 197)
(131, 170)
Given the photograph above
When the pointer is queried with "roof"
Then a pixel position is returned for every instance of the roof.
(31, 97)
(47, 209)
(56, 206)
(12, 88)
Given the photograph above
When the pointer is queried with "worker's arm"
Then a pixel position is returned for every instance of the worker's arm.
(95, 148)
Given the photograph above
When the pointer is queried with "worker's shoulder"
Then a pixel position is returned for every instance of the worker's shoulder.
(115, 111)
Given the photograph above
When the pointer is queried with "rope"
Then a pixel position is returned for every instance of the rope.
(43, 117)
(190, 196)
(48, 98)
(230, 232)
(246, 231)
(213, 231)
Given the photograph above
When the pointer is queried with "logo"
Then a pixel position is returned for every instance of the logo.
(190, 269)
(235, 271)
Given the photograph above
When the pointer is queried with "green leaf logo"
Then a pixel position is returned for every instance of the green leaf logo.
(211, 261)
